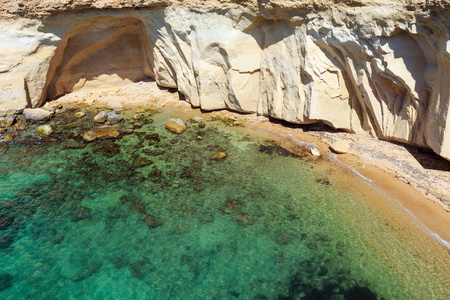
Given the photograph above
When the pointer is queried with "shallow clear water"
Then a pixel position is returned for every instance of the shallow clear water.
(148, 217)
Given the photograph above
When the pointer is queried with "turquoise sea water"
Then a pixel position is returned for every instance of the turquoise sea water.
(151, 216)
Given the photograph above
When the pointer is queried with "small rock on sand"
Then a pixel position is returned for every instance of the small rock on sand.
(340, 147)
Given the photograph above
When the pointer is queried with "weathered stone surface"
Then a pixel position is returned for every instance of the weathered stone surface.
(79, 114)
(103, 132)
(113, 117)
(340, 147)
(176, 126)
(44, 130)
(37, 114)
(101, 117)
(354, 65)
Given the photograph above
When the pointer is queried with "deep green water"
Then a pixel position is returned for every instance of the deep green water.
(92, 223)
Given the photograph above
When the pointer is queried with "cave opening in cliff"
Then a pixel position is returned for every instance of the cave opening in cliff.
(103, 51)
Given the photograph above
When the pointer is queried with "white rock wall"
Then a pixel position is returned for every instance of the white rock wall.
(368, 70)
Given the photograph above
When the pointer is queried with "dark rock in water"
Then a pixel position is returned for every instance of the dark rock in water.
(87, 272)
(58, 238)
(6, 221)
(275, 149)
(244, 219)
(182, 229)
(152, 221)
(141, 268)
(138, 207)
(283, 239)
(6, 241)
(233, 205)
(155, 175)
(108, 150)
(205, 218)
(35, 150)
(171, 173)
(6, 281)
(185, 259)
(152, 152)
(73, 145)
(140, 162)
(312, 245)
(81, 213)
(153, 137)
(119, 262)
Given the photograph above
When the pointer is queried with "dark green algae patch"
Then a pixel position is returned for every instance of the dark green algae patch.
(151, 216)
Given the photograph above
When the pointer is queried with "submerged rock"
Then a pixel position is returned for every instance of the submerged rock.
(6, 241)
(44, 130)
(6, 281)
(219, 156)
(103, 132)
(138, 207)
(175, 125)
(152, 221)
(140, 162)
(73, 145)
(87, 272)
(108, 150)
(340, 147)
(80, 114)
(37, 114)
(81, 213)
(101, 117)
(6, 221)
(244, 219)
(233, 205)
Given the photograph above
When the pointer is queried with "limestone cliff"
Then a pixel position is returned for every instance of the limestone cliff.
(369, 67)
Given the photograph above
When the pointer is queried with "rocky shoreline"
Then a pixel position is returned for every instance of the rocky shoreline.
(416, 178)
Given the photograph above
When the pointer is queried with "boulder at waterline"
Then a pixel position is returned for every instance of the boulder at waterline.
(113, 117)
(37, 114)
(102, 132)
(101, 117)
(175, 125)
(44, 130)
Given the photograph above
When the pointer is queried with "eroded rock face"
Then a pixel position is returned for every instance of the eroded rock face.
(367, 68)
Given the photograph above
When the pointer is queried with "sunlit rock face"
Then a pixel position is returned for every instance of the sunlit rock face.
(368, 68)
